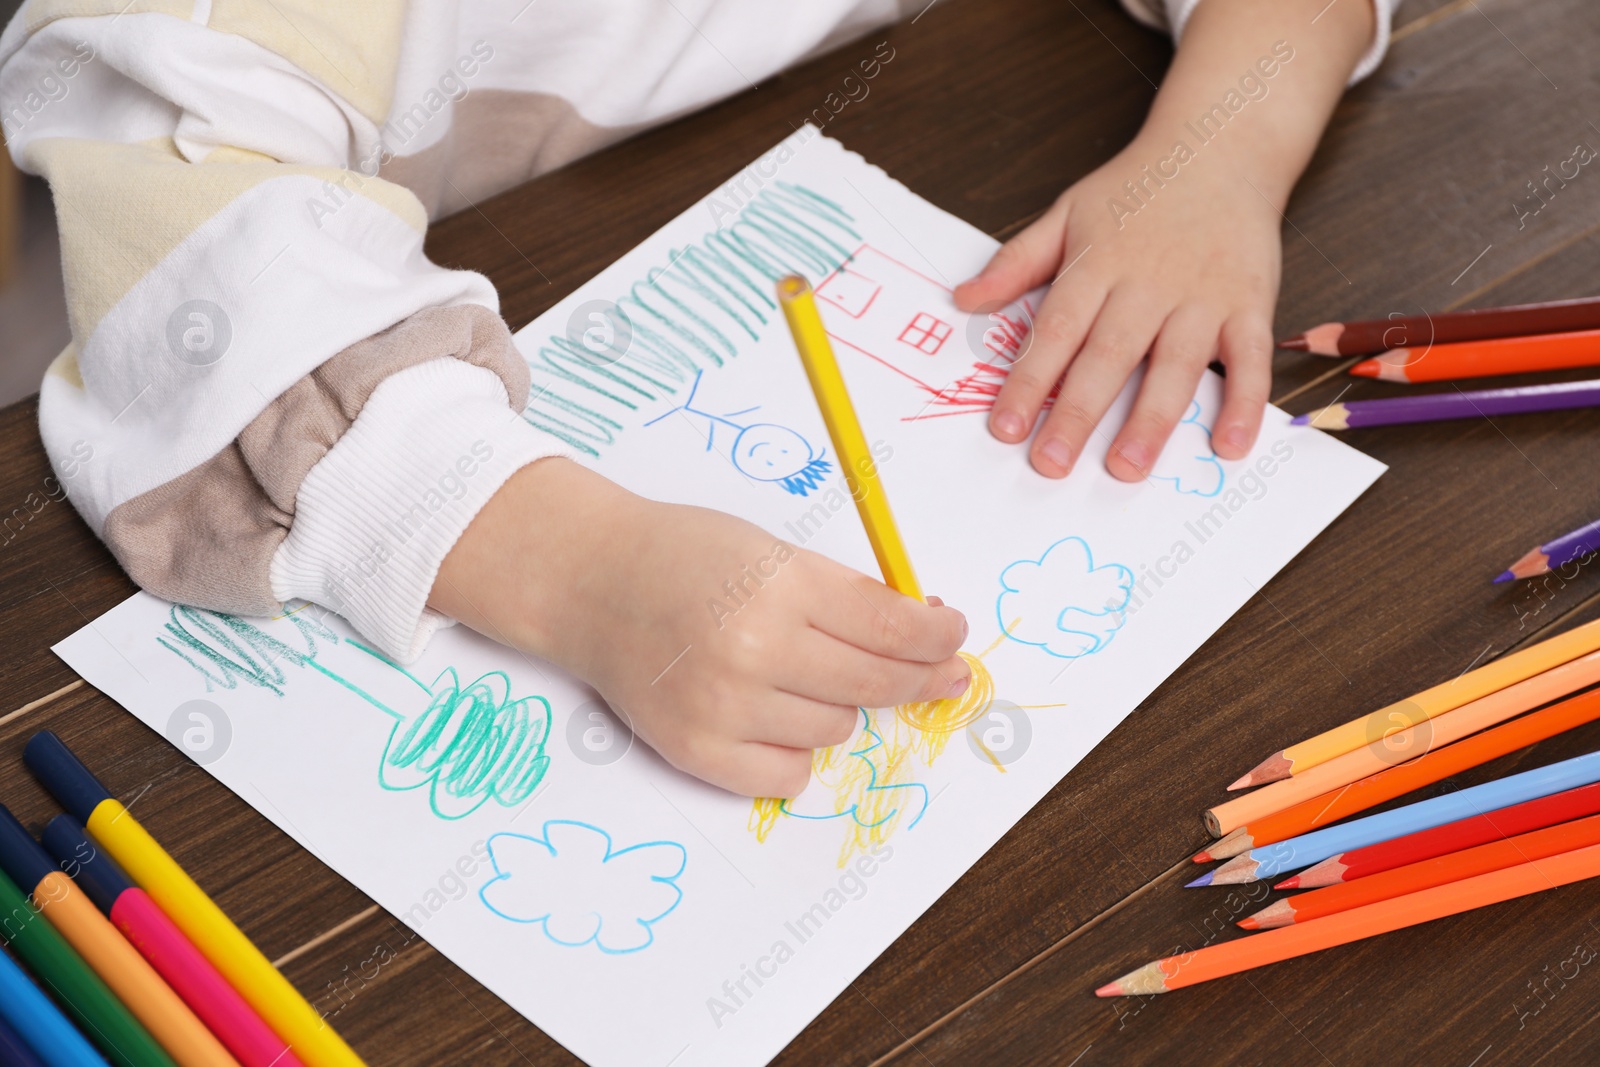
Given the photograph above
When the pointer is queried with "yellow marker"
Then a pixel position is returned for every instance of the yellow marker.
(860, 472)
(213, 933)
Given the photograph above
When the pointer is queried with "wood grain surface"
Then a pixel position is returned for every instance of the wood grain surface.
(990, 109)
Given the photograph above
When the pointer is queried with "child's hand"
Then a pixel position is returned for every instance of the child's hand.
(1191, 277)
(730, 652)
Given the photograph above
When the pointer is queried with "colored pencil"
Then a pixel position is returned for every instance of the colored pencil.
(1415, 877)
(1245, 953)
(839, 414)
(98, 1014)
(186, 904)
(1446, 696)
(148, 929)
(39, 1023)
(1483, 359)
(118, 963)
(14, 1051)
(1415, 741)
(1434, 766)
(1563, 550)
(1433, 407)
(1476, 324)
(1306, 849)
(1451, 837)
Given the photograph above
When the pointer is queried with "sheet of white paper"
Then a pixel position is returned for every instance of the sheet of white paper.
(499, 809)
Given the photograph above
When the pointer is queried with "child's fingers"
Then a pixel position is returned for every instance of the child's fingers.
(1026, 261)
(1177, 361)
(782, 718)
(1246, 351)
(1121, 336)
(1063, 322)
(821, 668)
(869, 615)
(756, 769)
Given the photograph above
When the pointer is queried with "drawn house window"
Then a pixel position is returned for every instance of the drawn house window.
(850, 291)
(925, 333)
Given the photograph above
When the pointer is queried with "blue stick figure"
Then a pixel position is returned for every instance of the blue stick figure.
(764, 451)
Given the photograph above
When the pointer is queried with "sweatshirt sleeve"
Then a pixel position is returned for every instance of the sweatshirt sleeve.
(271, 394)
(1173, 15)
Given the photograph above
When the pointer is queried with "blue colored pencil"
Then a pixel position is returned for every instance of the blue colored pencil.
(53, 1040)
(1271, 860)
(14, 1052)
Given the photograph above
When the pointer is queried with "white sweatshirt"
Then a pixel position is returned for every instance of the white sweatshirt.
(271, 394)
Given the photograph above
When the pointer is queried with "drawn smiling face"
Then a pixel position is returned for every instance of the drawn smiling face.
(770, 452)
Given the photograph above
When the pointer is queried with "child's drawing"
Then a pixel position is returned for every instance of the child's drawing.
(1187, 461)
(1062, 602)
(764, 451)
(906, 321)
(469, 743)
(579, 890)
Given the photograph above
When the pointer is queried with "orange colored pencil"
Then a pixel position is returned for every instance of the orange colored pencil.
(1430, 767)
(1452, 898)
(1414, 877)
(1481, 359)
(1422, 737)
(1446, 696)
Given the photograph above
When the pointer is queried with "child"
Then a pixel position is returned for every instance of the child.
(272, 395)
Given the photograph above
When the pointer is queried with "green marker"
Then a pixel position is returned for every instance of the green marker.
(59, 968)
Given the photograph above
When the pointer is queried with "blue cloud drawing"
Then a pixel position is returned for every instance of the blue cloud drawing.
(580, 890)
(1062, 602)
(1187, 461)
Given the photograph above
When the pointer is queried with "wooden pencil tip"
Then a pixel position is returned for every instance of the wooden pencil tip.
(1324, 340)
(1145, 981)
(1278, 913)
(1297, 343)
(1237, 870)
(1249, 923)
(1367, 368)
(1204, 879)
(1291, 882)
(1505, 576)
(1232, 845)
(1203, 857)
(1271, 769)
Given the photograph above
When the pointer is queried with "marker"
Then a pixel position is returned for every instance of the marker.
(117, 963)
(99, 1015)
(186, 904)
(855, 456)
(15, 1052)
(29, 1014)
(160, 942)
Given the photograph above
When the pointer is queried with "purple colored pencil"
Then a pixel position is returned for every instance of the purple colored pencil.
(1456, 405)
(1581, 542)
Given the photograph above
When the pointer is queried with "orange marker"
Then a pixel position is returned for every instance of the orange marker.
(118, 963)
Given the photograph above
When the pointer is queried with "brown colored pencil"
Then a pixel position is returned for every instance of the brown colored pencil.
(1478, 324)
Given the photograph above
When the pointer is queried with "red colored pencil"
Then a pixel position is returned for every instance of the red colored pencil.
(1415, 877)
(1478, 324)
(1451, 837)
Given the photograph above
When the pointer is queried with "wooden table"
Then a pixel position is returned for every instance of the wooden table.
(989, 110)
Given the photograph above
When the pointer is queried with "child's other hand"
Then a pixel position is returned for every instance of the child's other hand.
(1192, 276)
(731, 653)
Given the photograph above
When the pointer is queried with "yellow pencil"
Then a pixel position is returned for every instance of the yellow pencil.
(860, 472)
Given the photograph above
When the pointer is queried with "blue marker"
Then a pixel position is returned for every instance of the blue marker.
(41, 1030)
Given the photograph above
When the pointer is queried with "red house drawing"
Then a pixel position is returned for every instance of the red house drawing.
(906, 321)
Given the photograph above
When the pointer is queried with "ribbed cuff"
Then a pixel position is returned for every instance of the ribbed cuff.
(1178, 12)
(376, 516)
